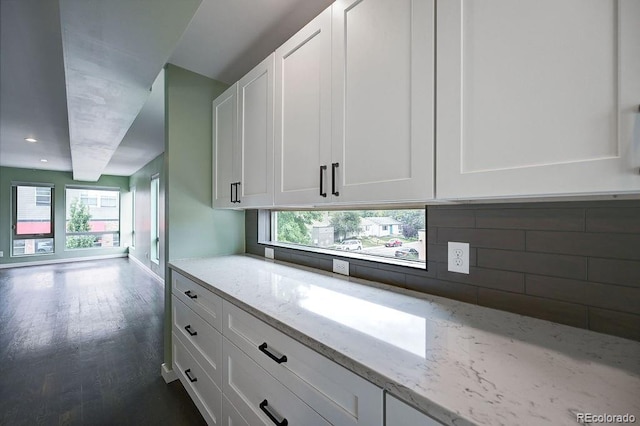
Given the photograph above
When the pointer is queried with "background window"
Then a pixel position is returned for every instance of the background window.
(32, 220)
(378, 234)
(89, 225)
(155, 219)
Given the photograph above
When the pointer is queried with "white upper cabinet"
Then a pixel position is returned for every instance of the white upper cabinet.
(383, 100)
(537, 98)
(303, 114)
(255, 136)
(243, 141)
(225, 150)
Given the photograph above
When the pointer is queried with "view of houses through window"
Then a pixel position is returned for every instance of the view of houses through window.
(32, 220)
(397, 234)
(93, 217)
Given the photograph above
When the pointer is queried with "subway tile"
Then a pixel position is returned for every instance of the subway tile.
(489, 278)
(548, 219)
(451, 290)
(613, 271)
(537, 307)
(615, 323)
(536, 263)
(487, 238)
(620, 246)
(626, 299)
(623, 220)
(380, 275)
(450, 218)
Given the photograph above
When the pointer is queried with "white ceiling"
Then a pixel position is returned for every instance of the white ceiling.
(75, 74)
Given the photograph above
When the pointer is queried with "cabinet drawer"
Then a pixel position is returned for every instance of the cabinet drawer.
(339, 395)
(230, 416)
(203, 338)
(257, 395)
(203, 391)
(202, 301)
(400, 414)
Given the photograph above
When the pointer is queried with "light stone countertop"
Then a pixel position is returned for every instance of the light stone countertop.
(460, 363)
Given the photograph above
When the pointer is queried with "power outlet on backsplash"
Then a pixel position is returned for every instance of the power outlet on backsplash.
(458, 258)
(341, 267)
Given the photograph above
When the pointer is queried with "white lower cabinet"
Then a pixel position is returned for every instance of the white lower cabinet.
(258, 396)
(240, 371)
(200, 386)
(340, 396)
(230, 415)
(400, 414)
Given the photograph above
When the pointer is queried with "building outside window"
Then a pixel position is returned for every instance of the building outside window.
(89, 223)
(32, 217)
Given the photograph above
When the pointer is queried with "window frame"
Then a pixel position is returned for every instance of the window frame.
(96, 205)
(14, 211)
(14, 236)
(154, 193)
(267, 231)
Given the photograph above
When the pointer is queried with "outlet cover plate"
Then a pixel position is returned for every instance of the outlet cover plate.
(268, 252)
(458, 257)
(341, 267)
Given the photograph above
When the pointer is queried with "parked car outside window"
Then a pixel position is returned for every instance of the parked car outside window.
(349, 245)
(394, 242)
(407, 253)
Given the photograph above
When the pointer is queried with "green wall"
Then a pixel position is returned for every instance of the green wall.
(141, 180)
(194, 229)
(59, 179)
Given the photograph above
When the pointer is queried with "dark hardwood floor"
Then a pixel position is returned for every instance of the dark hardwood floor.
(81, 344)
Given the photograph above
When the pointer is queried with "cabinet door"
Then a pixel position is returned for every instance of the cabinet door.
(303, 114)
(400, 414)
(383, 99)
(225, 154)
(255, 135)
(537, 97)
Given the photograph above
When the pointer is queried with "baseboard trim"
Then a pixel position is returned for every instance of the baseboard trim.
(146, 269)
(56, 261)
(168, 374)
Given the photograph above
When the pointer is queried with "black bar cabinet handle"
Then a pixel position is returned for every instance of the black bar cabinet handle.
(334, 166)
(191, 379)
(263, 349)
(322, 193)
(191, 333)
(191, 296)
(231, 195)
(263, 406)
(237, 199)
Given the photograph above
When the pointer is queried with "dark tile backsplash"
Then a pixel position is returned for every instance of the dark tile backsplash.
(575, 263)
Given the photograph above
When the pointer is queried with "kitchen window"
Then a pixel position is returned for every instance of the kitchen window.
(89, 224)
(32, 217)
(389, 236)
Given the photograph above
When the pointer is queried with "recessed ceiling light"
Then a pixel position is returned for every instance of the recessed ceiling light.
(32, 140)
(43, 160)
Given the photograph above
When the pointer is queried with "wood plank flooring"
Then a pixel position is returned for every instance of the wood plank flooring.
(81, 344)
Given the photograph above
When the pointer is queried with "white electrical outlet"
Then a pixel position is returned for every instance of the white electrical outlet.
(268, 252)
(1, 254)
(458, 259)
(341, 267)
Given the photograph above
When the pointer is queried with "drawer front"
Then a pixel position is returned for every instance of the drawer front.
(400, 414)
(203, 391)
(203, 341)
(199, 299)
(259, 398)
(230, 416)
(339, 395)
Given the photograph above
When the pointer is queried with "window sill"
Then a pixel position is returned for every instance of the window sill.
(348, 254)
